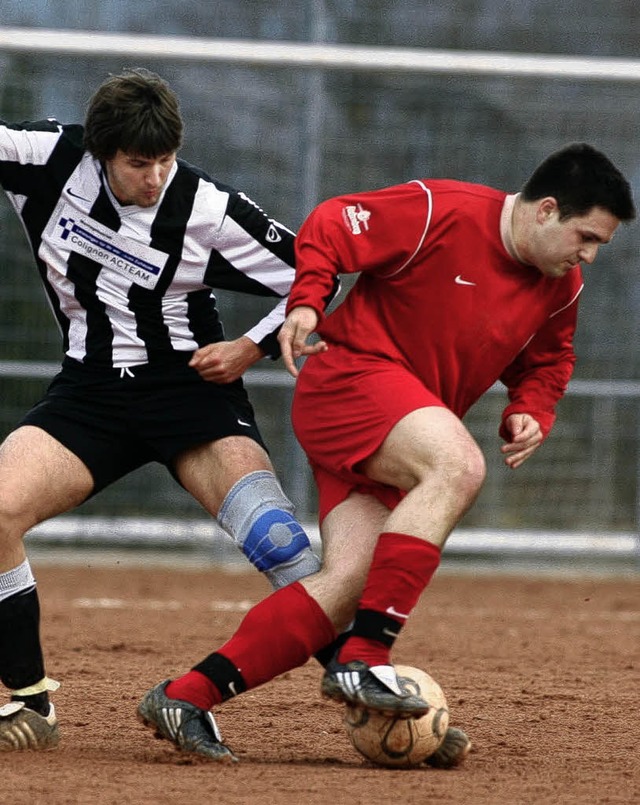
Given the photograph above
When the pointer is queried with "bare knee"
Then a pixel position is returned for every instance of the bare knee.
(465, 471)
(13, 525)
(455, 468)
(15, 516)
(448, 481)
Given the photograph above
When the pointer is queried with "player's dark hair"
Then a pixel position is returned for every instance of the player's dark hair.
(135, 112)
(579, 177)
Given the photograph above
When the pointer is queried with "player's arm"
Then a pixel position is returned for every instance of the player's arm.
(298, 326)
(321, 255)
(253, 254)
(377, 231)
(536, 380)
(28, 143)
(226, 361)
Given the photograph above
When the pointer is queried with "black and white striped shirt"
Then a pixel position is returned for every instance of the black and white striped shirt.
(131, 285)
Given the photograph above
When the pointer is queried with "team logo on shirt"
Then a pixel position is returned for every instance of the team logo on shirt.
(141, 264)
(356, 218)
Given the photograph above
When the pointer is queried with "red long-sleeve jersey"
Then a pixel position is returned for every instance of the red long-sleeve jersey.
(439, 293)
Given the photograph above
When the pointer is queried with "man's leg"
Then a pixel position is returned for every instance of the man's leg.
(234, 480)
(39, 478)
(279, 633)
(432, 457)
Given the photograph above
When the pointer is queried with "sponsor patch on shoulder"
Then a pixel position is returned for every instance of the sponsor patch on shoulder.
(356, 218)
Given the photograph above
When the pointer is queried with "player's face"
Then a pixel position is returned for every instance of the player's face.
(138, 180)
(558, 245)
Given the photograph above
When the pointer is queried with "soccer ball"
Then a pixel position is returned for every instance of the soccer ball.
(401, 742)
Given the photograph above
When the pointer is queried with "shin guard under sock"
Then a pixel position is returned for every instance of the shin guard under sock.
(401, 568)
(280, 633)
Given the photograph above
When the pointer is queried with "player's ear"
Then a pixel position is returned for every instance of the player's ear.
(547, 206)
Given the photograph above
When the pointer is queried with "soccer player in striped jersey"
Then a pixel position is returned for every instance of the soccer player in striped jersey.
(460, 285)
(130, 242)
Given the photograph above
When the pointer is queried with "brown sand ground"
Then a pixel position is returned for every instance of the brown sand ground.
(543, 673)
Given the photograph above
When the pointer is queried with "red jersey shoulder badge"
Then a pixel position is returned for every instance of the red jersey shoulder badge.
(356, 218)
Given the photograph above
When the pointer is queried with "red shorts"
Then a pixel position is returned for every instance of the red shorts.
(344, 406)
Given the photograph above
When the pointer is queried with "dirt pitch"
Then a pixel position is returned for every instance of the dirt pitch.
(543, 673)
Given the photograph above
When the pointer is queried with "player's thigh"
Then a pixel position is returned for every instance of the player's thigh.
(39, 477)
(425, 441)
(208, 471)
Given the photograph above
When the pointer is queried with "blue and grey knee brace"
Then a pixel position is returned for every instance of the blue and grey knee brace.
(260, 518)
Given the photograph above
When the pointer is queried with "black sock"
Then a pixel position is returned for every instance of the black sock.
(223, 673)
(38, 702)
(326, 654)
(21, 660)
(373, 625)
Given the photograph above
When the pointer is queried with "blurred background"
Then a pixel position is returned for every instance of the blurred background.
(290, 136)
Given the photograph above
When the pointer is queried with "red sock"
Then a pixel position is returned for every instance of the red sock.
(195, 688)
(280, 633)
(401, 568)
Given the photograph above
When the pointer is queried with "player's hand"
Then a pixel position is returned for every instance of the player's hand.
(225, 361)
(526, 437)
(297, 327)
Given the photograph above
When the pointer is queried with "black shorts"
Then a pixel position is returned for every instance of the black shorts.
(117, 420)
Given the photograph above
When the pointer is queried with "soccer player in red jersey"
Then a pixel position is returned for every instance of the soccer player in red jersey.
(460, 285)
